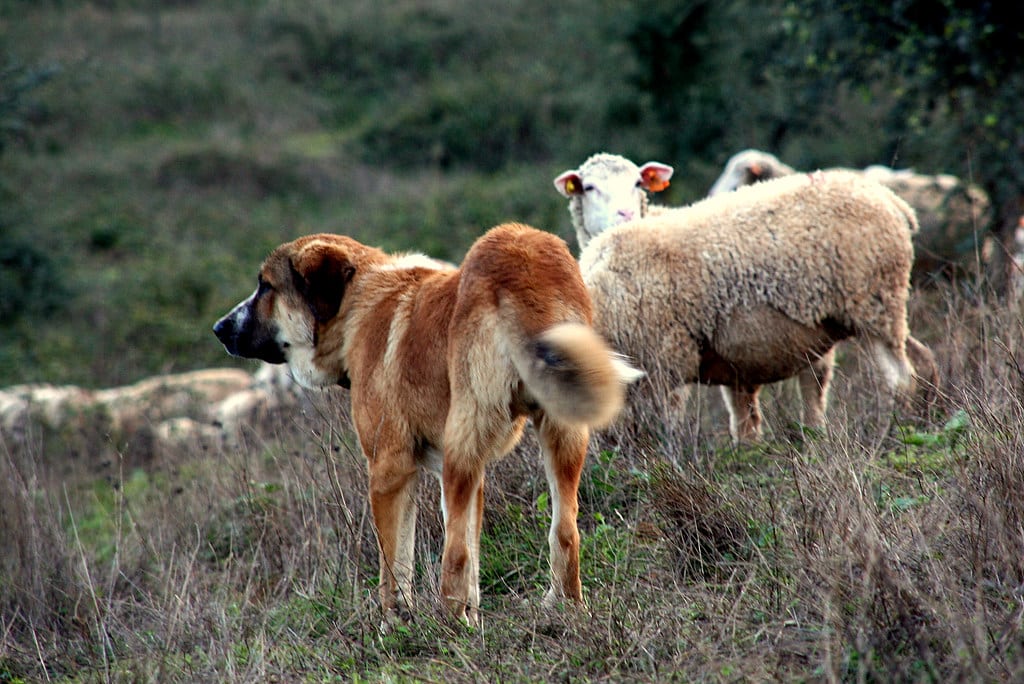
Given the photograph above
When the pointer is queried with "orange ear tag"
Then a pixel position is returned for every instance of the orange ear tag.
(652, 182)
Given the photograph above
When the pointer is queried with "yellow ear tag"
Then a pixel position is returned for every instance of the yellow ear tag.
(570, 186)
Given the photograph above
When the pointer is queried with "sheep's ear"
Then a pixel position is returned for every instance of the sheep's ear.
(321, 273)
(655, 175)
(756, 171)
(569, 184)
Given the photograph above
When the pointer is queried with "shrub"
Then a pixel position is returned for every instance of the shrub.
(31, 283)
(17, 110)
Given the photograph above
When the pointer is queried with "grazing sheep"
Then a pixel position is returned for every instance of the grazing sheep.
(749, 167)
(754, 287)
(950, 213)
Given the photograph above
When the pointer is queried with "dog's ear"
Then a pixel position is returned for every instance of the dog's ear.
(321, 273)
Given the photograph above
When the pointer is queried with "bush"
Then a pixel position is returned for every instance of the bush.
(17, 111)
(171, 94)
(31, 283)
(438, 87)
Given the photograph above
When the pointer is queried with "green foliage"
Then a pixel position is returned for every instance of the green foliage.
(675, 48)
(17, 110)
(103, 524)
(435, 86)
(947, 441)
(173, 94)
(213, 168)
(513, 546)
(486, 125)
(365, 47)
(31, 284)
(237, 529)
(952, 65)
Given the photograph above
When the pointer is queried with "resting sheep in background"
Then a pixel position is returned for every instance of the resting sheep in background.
(749, 288)
(951, 214)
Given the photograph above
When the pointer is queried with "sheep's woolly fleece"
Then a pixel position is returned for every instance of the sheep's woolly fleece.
(953, 214)
(826, 250)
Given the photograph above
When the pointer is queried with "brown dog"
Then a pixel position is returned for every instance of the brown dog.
(444, 367)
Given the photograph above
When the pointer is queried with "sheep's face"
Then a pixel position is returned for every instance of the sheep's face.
(608, 190)
(746, 168)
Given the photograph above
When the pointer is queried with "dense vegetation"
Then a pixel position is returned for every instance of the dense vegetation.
(151, 153)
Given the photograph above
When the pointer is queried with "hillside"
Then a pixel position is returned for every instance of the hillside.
(154, 152)
(172, 147)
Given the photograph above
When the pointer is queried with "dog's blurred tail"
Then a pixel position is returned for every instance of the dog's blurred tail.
(575, 376)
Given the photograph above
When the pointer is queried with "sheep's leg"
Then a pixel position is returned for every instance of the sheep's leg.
(925, 369)
(814, 385)
(564, 449)
(676, 403)
(744, 412)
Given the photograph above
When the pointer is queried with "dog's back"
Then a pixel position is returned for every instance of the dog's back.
(521, 300)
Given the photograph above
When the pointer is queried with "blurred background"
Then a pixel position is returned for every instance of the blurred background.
(152, 153)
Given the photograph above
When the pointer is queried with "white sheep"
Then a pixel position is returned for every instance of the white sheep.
(608, 189)
(951, 214)
(752, 287)
(749, 167)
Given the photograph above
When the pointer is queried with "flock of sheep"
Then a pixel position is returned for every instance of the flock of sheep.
(755, 284)
(758, 282)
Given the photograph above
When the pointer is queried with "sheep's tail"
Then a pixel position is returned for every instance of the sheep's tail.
(908, 212)
(570, 371)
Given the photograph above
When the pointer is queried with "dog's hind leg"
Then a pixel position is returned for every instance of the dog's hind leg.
(474, 436)
(564, 448)
(463, 492)
(393, 480)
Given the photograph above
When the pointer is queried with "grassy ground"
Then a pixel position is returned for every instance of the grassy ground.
(887, 549)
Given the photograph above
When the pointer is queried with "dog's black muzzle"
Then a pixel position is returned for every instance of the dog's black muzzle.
(244, 336)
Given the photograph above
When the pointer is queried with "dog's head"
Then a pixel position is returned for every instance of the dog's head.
(299, 293)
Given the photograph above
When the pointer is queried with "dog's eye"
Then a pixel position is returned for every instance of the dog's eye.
(264, 287)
